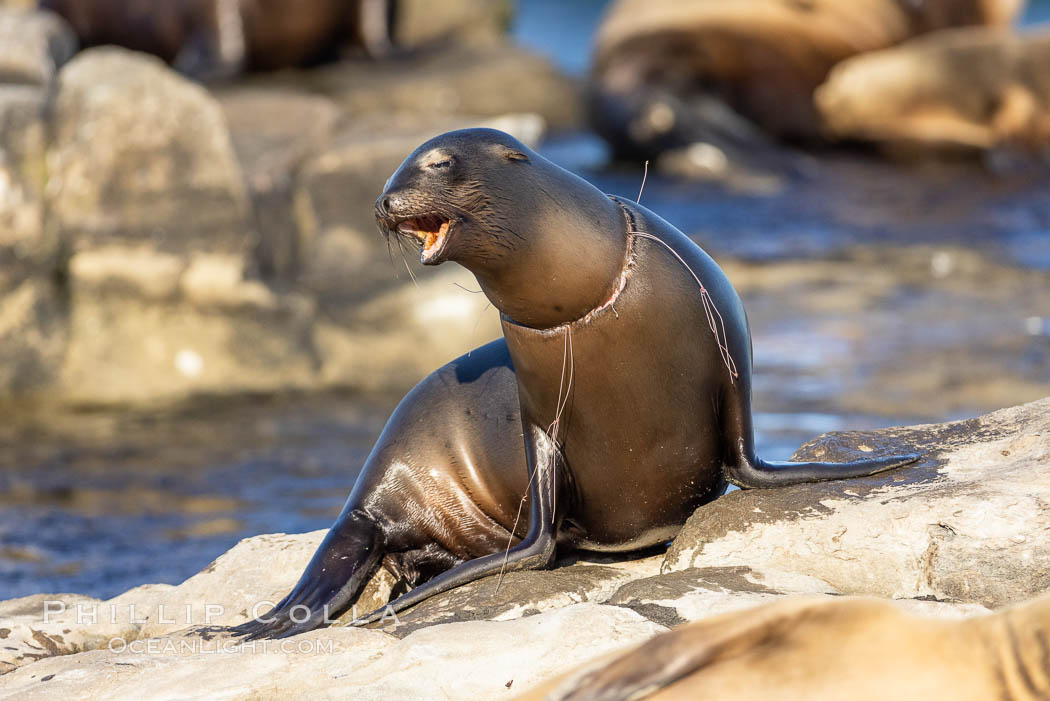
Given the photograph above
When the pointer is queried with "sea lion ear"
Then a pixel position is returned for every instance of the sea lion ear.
(515, 155)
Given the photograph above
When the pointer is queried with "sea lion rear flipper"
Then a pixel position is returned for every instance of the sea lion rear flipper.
(535, 551)
(756, 473)
(336, 574)
(748, 471)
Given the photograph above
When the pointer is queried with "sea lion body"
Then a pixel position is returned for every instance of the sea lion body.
(447, 474)
(971, 89)
(822, 649)
(210, 39)
(631, 359)
(643, 453)
(669, 73)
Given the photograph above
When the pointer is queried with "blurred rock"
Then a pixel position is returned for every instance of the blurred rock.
(966, 89)
(274, 132)
(33, 332)
(142, 156)
(968, 524)
(667, 74)
(447, 82)
(225, 335)
(33, 336)
(24, 247)
(32, 46)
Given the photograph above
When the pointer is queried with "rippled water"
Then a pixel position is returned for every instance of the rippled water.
(868, 308)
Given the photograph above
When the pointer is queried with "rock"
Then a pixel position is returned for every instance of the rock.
(971, 89)
(274, 132)
(135, 350)
(459, 660)
(165, 294)
(50, 625)
(142, 156)
(697, 593)
(24, 248)
(33, 337)
(518, 594)
(33, 331)
(483, 81)
(32, 46)
(966, 525)
(666, 74)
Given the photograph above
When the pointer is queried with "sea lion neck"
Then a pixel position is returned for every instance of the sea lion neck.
(570, 260)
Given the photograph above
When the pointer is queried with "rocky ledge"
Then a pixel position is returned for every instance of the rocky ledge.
(965, 530)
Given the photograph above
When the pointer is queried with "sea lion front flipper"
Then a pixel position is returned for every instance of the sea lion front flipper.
(536, 551)
(342, 564)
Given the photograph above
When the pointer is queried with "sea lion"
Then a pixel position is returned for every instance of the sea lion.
(960, 90)
(208, 39)
(817, 649)
(631, 360)
(669, 73)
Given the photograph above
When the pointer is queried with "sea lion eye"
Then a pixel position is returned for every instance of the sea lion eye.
(446, 163)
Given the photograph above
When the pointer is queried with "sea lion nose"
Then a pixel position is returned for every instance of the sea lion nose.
(383, 204)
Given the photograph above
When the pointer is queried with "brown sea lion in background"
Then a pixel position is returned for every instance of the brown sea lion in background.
(219, 38)
(805, 649)
(619, 399)
(668, 73)
(971, 89)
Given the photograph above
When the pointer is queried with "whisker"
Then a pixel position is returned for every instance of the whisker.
(407, 267)
(645, 174)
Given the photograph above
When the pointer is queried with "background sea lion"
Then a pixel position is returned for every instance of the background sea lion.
(631, 361)
(668, 73)
(806, 649)
(217, 38)
(970, 89)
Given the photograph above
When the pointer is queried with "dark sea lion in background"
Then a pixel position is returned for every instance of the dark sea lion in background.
(669, 73)
(219, 38)
(806, 649)
(631, 359)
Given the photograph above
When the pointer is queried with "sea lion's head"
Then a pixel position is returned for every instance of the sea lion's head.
(545, 245)
(447, 198)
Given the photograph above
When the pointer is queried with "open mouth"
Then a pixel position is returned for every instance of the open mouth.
(432, 233)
